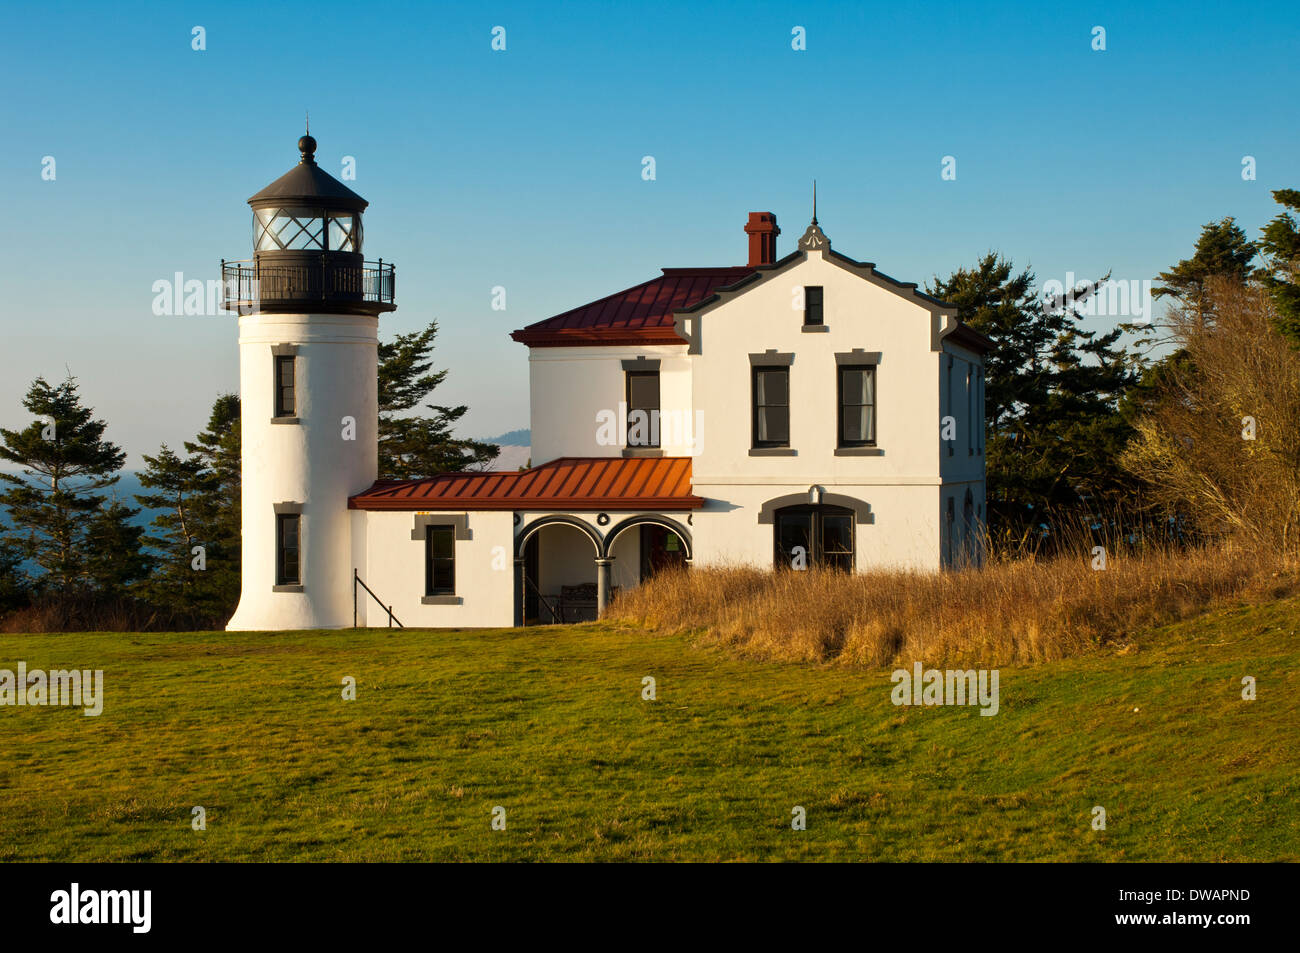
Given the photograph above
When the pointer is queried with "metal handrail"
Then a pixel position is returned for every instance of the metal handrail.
(326, 278)
(356, 579)
(555, 618)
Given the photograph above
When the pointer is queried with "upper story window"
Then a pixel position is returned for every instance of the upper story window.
(440, 560)
(948, 392)
(771, 405)
(643, 408)
(970, 415)
(813, 314)
(285, 405)
(857, 405)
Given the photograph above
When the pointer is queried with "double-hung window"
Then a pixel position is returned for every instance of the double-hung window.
(771, 406)
(857, 405)
(440, 561)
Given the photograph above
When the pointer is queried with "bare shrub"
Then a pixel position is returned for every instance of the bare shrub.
(1221, 442)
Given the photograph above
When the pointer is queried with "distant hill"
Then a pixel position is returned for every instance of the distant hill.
(515, 438)
(515, 450)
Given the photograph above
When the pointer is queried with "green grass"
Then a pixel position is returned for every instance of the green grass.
(550, 725)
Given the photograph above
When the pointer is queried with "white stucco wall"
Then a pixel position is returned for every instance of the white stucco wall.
(393, 566)
(308, 462)
(858, 314)
(903, 532)
(569, 386)
(625, 570)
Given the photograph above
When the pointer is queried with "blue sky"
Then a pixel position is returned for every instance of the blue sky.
(523, 168)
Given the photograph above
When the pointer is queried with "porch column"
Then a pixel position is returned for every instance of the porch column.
(602, 585)
(519, 592)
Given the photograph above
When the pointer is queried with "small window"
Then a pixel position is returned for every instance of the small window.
(857, 397)
(970, 417)
(771, 407)
(812, 305)
(949, 392)
(949, 531)
(643, 408)
(284, 380)
(440, 561)
(287, 571)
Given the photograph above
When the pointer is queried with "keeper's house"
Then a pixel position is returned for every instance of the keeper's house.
(791, 412)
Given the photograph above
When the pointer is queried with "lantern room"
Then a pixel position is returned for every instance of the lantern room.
(307, 249)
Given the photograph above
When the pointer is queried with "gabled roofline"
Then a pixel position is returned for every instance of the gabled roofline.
(942, 310)
(613, 337)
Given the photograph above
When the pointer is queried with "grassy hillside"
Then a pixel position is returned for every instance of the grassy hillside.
(550, 725)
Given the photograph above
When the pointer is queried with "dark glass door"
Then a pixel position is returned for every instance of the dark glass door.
(807, 536)
(660, 549)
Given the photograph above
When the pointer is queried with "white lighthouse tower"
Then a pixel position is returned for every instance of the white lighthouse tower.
(309, 308)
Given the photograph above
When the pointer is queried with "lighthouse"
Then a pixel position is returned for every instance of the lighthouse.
(309, 306)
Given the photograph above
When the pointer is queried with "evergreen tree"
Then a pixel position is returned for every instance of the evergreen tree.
(14, 584)
(178, 584)
(66, 463)
(1281, 252)
(1054, 428)
(115, 557)
(197, 534)
(1221, 251)
(413, 446)
(217, 506)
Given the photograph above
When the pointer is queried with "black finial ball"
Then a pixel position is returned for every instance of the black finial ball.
(307, 146)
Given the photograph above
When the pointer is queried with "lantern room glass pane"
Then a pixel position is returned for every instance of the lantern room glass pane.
(288, 228)
(345, 232)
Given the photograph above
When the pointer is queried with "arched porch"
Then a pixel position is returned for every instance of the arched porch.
(568, 570)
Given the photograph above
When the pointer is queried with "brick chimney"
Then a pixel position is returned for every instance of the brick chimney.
(762, 232)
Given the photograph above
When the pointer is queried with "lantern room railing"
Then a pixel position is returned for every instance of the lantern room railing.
(252, 286)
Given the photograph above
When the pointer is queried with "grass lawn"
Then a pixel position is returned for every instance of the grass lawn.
(550, 725)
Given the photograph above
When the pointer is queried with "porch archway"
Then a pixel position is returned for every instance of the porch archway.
(655, 519)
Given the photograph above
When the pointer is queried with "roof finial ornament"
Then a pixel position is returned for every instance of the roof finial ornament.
(307, 145)
(814, 239)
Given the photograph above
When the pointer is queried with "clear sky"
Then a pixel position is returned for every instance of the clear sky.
(523, 168)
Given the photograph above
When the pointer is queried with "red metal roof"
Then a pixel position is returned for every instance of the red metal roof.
(569, 483)
(639, 315)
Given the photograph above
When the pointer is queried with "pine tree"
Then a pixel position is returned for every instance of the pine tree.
(199, 495)
(412, 446)
(14, 584)
(1281, 252)
(1221, 251)
(178, 485)
(1052, 402)
(52, 503)
(115, 557)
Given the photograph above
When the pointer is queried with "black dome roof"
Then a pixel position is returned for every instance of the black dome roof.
(308, 184)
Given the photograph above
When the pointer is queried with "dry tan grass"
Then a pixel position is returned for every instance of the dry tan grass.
(1015, 612)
